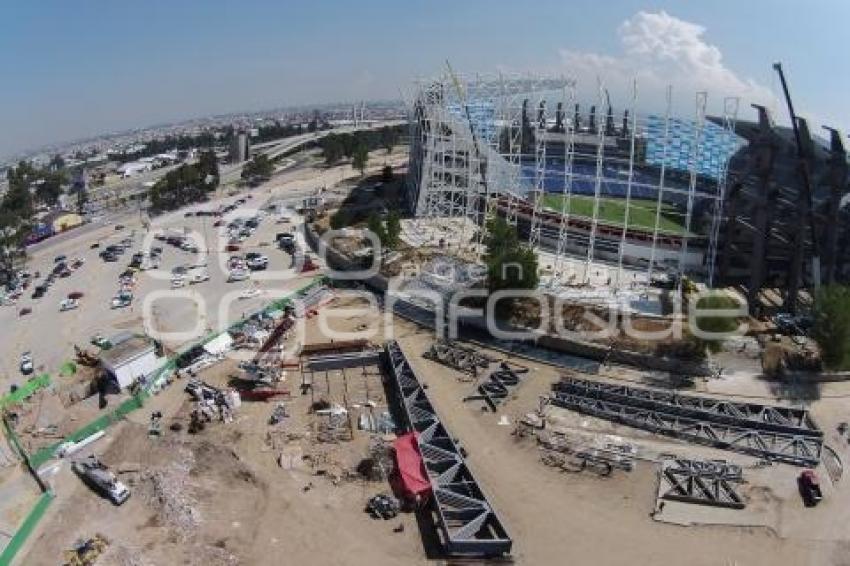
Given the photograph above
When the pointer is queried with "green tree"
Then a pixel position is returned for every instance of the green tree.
(360, 158)
(393, 231)
(49, 188)
(208, 165)
(339, 220)
(831, 328)
(388, 138)
(375, 226)
(332, 148)
(260, 166)
(510, 265)
(715, 324)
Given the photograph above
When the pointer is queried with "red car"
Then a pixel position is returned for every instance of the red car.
(810, 490)
(232, 248)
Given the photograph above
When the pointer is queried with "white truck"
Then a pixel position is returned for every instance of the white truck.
(98, 477)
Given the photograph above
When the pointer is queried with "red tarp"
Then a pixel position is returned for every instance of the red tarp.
(413, 479)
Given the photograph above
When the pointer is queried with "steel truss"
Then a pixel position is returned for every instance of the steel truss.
(752, 415)
(706, 483)
(497, 385)
(468, 523)
(796, 449)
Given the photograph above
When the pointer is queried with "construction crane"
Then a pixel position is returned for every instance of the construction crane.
(804, 173)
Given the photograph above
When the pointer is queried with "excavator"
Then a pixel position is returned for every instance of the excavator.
(85, 358)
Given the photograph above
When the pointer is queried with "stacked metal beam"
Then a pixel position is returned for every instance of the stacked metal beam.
(773, 433)
(469, 525)
(458, 357)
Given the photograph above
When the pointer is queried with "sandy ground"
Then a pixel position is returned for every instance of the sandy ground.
(557, 517)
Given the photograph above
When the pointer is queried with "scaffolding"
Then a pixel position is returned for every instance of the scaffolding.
(642, 192)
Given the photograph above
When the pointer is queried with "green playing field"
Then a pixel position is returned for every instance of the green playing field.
(613, 211)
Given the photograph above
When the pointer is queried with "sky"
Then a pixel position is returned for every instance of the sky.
(77, 69)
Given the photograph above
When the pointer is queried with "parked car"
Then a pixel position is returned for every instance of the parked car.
(26, 364)
(122, 299)
(39, 292)
(257, 262)
(810, 490)
(59, 258)
(68, 305)
(237, 275)
(199, 277)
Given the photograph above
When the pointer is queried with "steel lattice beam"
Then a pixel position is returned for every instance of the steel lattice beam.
(497, 385)
(468, 523)
(793, 449)
(752, 415)
(704, 483)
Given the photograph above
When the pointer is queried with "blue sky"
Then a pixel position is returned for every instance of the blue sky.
(74, 69)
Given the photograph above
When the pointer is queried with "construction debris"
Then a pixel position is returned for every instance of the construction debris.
(459, 357)
(383, 506)
(168, 492)
(278, 414)
(562, 452)
(379, 464)
(86, 552)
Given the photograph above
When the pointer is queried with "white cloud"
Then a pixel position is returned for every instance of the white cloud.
(659, 50)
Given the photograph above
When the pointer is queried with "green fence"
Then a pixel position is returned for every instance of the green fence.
(25, 390)
(25, 530)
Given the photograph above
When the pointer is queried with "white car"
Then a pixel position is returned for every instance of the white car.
(237, 275)
(68, 304)
(26, 363)
(199, 277)
(249, 293)
(122, 299)
(178, 282)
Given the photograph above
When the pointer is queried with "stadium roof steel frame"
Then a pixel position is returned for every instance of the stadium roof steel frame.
(468, 522)
(796, 449)
(763, 417)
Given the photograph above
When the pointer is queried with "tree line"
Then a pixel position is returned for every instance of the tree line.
(357, 145)
(187, 184)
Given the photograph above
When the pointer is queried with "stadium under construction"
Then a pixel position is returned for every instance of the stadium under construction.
(712, 197)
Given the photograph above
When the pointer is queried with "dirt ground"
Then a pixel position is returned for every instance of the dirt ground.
(246, 492)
